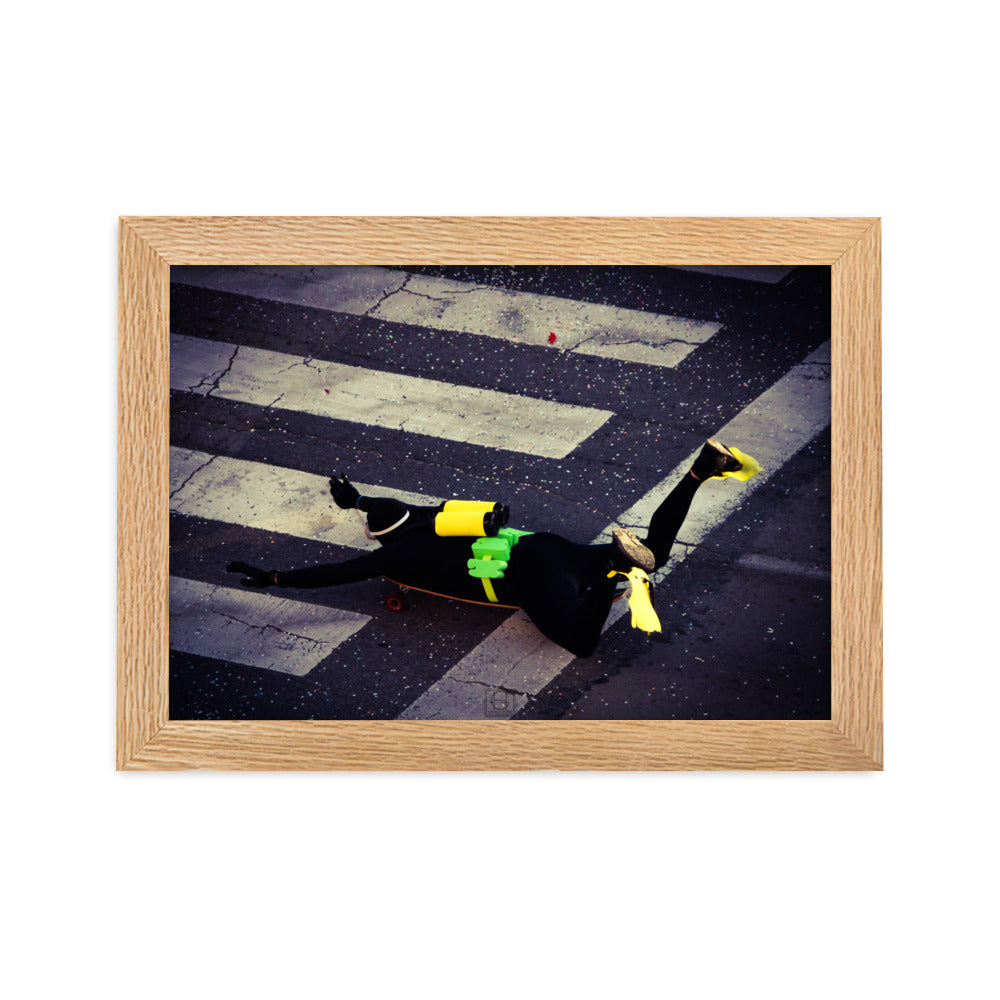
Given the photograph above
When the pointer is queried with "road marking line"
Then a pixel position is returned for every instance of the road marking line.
(518, 659)
(383, 399)
(270, 498)
(254, 628)
(784, 567)
(443, 304)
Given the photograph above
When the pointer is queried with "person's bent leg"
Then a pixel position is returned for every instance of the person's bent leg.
(571, 618)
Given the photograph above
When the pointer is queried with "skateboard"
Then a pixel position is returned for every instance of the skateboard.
(398, 601)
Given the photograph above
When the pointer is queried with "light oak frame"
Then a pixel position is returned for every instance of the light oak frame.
(147, 740)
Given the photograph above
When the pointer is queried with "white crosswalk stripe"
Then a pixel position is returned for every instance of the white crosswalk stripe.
(255, 628)
(381, 399)
(443, 304)
(270, 498)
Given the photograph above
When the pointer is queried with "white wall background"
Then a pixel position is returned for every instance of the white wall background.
(212, 885)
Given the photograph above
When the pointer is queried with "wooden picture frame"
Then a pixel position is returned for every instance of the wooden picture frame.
(148, 740)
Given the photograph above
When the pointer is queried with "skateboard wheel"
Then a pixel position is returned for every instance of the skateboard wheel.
(396, 603)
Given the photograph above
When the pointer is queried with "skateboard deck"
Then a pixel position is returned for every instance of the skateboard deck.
(397, 600)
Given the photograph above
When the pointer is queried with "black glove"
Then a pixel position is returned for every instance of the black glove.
(253, 577)
(344, 494)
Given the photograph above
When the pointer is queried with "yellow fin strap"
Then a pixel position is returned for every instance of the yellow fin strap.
(639, 602)
(750, 467)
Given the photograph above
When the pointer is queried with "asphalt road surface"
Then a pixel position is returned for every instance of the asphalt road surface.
(574, 394)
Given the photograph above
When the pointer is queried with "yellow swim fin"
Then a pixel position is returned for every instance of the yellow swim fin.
(750, 466)
(640, 600)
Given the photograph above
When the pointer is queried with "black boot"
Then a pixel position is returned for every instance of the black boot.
(714, 460)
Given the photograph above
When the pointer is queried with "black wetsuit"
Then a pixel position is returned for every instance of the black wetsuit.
(562, 586)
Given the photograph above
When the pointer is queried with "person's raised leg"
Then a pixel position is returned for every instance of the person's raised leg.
(714, 460)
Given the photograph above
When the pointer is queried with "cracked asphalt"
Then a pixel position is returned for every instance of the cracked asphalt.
(742, 637)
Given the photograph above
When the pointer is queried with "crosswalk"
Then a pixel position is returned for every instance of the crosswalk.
(256, 431)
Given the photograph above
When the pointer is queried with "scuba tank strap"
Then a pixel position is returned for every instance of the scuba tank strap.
(490, 558)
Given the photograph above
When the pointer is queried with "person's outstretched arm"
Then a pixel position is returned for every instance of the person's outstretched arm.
(365, 567)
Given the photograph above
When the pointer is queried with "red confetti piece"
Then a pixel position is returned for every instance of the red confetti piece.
(327, 391)
(552, 337)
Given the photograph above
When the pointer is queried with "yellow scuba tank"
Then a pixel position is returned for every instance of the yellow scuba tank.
(471, 518)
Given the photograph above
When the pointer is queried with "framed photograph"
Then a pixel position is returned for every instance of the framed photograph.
(499, 493)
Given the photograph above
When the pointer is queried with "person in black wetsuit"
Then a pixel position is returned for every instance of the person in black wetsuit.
(564, 587)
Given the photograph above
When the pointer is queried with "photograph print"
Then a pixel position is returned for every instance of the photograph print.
(500, 492)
